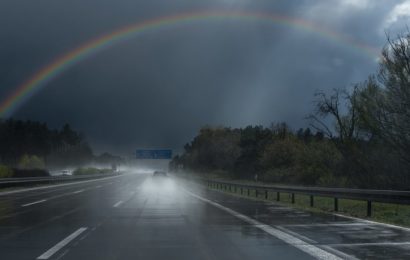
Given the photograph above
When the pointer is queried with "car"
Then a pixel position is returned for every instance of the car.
(66, 172)
(159, 174)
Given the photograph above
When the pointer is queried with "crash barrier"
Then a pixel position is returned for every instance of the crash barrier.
(384, 196)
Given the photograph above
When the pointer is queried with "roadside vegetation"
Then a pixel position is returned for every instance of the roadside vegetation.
(5, 171)
(28, 166)
(30, 149)
(357, 137)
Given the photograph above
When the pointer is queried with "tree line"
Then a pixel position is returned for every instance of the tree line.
(366, 144)
(33, 145)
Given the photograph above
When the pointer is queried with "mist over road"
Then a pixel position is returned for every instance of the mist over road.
(137, 216)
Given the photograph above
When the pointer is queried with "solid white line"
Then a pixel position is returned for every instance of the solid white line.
(78, 191)
(326, 225)
(373, 244)
(293, 241)
(373, 222)
(118, 204)
(325, 247)
(32, 203)
(61, 244)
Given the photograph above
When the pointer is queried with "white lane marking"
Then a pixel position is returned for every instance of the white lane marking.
(293, 241)
(32, 203)
(373, 222)
(3, 193)
(61, 244)
(311, 241)
(53, 197)
(118, 204)
(373, 244)
(99, 186)
(326, 224)
(63, 254)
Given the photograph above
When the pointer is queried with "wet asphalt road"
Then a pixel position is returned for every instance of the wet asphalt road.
(136, 216)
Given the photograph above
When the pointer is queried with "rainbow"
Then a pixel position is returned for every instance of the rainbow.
(28, 88)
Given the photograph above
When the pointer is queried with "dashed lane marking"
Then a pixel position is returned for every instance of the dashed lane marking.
(62, 244)
(32, 203)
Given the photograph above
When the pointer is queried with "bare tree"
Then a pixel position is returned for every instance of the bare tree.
(345, 124)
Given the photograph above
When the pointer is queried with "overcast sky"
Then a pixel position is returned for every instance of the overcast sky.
(158, 89)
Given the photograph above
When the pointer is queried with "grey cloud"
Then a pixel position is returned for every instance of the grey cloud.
(157, 90)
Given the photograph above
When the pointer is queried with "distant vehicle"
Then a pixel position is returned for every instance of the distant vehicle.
(66, 172)
(159, 174)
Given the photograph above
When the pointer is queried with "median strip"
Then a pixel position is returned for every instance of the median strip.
(61, 244)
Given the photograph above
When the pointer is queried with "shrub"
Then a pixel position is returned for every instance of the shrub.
(31, 162)
(5, 171)
(318, 162)
(278, 175)
(329, 180)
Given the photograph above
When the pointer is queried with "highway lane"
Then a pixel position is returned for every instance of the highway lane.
(135, 216)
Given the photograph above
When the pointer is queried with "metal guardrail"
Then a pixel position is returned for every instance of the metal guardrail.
(14, 182)
(384, 196)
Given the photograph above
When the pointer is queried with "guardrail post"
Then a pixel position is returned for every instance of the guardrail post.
(241, 190)
(369, 208)
(293, 198)
(249, 192)
(278, 196)
(234, 188)
(256, 193)
(336, 204)
(311, 200)
(266, 194)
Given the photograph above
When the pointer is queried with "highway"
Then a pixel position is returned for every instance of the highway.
(137, 216)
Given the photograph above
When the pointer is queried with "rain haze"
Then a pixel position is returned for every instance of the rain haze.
(159, 88)
(204, 129)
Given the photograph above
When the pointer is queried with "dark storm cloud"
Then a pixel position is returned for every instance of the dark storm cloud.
(157, 90)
